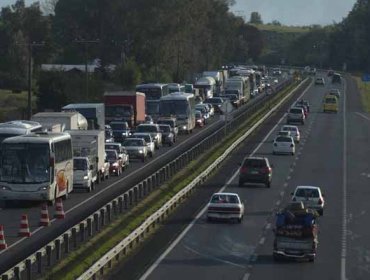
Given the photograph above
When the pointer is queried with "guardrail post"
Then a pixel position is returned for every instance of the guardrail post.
(39, 262)
(154, 181)
(74, 237)
(66, 243)
(131, 197)
(157, 179)
(120, 204)
(102, 270)
(145, 187)
(140, 187)
(5, 277)
(58, 252)
(126, 196)
(48, 255)
(102, 219)
(114, 205)
(82, 232)
(136, 190)
(109, 212)
(96, 220)
(89, 227)
(29, 269)
(17, 273)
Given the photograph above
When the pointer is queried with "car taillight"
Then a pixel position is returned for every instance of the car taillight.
(266, 170)
(320, 201)
(243, 169)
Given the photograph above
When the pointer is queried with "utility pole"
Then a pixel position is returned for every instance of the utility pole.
(86, 43)
(30, 47)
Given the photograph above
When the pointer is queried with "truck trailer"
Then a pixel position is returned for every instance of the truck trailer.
(93, 112)
(54, 121)
(128, 106)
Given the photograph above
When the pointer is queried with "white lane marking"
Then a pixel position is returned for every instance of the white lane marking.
(362, 115)
(278, 203)
(268, 226)
(246, 276)
(262, 240)
(344, 187)
(212, 257)
(282, 193)
(288, 178)
(202, 211)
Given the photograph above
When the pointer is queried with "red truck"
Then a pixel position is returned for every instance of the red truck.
(126, 106)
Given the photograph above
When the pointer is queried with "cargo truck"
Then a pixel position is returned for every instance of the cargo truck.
(93, 112)
(296, 233)
(91, 145)
(128, 106)
(54, 121)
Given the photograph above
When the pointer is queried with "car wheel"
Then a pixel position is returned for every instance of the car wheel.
(292, 153)
(151, 154)
(276, 257)
(209, 219)
(321, 212)
(143, 159)
(268, 185)
(273, 152)
(311, 259)
(241, 183)
(239, 220)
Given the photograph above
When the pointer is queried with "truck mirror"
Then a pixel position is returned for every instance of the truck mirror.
(97, 159)
(91, 167)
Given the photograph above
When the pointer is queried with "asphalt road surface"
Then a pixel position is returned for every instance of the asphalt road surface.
(332, 154)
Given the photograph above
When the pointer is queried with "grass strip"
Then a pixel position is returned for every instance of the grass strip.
(365, 93)
(89, 252)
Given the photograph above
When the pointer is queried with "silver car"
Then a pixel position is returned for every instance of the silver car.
(148, 140)
(136, 148)
(154, 131)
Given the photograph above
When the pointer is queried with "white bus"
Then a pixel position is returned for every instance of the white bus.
(182, 106)
(36, 167)
(19, 127)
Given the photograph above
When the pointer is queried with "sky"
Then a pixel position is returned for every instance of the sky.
(295, 12)
(288, 12)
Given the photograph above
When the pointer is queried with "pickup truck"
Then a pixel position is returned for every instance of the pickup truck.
(296, 233)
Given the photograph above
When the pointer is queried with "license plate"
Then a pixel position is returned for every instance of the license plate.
(254, 172)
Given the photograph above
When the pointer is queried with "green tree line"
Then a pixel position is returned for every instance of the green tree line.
(165, 41)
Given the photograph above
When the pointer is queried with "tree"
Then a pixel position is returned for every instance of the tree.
(255, 18)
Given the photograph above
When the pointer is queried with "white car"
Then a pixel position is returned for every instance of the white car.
(311, 197)
(225, 206)
(204, 109)
(294, 132)
(283, 145)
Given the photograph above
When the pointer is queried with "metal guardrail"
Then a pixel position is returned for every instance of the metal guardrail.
(60, 246)
(139, 233)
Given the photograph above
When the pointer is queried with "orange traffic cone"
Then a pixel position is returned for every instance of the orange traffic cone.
(44, 219)
(24, 229)
(3, 245)
(59, 212)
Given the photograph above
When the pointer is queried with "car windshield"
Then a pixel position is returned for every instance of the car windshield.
(290, 128)
(118, 126)
(111, 155)
(79, 164)
(314, 193)
(112, 147)
(224, 198)
(132, 143)
(25, 163)
(147, 128)
(165, 128)
(214, 100)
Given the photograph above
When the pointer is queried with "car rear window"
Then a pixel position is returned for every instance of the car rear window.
(330, 100)
(283, 139)
(255, 162)
(307, 193)
(296, 111)
(289, 128)
(223, 198)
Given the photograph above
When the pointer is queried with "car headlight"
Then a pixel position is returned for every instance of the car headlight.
(141, 151)
(184, 127)
(5, 188)
(43, 188)
(86, 177)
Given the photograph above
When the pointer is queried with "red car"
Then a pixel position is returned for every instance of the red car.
(114, 160)
(199, 119)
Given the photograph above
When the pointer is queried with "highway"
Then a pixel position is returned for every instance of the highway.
(81, 204)
(332, 154)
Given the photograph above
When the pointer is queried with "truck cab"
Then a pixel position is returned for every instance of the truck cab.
(121, 130)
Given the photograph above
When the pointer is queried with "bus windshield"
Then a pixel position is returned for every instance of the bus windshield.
(173, 107)
(118, 111)
(152, 108)
(25, 163)
(151, 93)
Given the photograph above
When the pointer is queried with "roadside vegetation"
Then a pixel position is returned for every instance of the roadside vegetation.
(14, 105)
(71, 267)
(364, 88)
